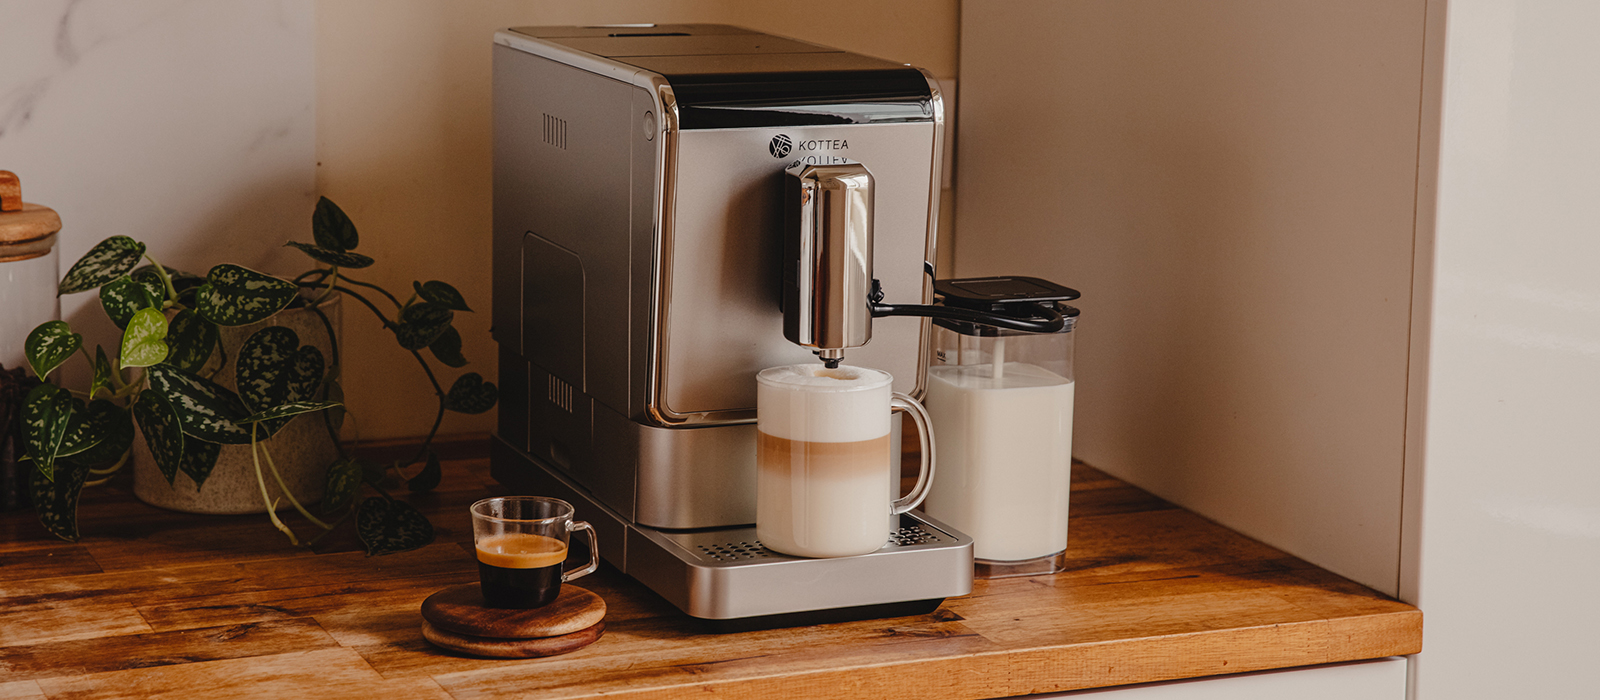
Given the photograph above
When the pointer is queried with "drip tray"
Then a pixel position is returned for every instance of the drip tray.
(727, 579)
(726, 576)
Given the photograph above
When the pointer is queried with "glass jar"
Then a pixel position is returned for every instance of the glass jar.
(27, 269)
(27, 298)
(27, 295)
(1001, 403)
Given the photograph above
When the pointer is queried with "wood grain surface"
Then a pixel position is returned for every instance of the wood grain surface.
(158, 604)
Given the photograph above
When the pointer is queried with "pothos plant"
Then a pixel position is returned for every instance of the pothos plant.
(162, 381)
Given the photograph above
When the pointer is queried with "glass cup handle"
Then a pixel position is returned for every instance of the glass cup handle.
(919, 415)
(594, 552)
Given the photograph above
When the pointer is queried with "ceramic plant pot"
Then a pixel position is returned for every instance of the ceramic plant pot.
(302, 449)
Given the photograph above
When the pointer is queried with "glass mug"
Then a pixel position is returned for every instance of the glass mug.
(521, 543)
(826, 471)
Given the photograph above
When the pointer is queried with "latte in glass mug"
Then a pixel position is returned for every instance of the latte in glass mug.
(826, 469)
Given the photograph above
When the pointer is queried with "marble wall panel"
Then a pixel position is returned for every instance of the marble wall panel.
(188, 125)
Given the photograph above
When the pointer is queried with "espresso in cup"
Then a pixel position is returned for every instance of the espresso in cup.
(521, 544)
(520, 570)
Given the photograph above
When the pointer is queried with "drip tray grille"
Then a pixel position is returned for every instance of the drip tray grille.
(740, 546)
(911, 534)
(736, 551)
(914, 534)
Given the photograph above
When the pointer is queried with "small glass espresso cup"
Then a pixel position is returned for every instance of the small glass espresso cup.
(521, 543)
(826, 471)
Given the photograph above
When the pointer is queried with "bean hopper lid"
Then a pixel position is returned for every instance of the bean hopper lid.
(26, 230)
(1019, 297)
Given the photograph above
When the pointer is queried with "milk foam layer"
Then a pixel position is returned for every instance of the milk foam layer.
(812, 403)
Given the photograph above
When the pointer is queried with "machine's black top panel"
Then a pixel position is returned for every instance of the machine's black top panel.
(725, 76)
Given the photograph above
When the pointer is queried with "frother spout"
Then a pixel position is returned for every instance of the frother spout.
(827, 269)
(831, 358)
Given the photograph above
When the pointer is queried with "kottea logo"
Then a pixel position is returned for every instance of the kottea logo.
(781, 146)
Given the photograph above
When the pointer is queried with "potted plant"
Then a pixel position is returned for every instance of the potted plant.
(162, 380)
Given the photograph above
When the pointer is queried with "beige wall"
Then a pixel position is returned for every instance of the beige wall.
(403, 144)
(1232, 184)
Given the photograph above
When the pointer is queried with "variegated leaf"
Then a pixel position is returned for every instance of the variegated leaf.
(190, 340)
(144, 341)
(273, 369)
(147, 277)
(184, 283)
(441, 293)
(336, 258)
(117, 437)
(447, 348)
(106, 261)
(307, 373)
(199, 458)
(331, 228)
(262, 367)
(46, 413)
(206, 410)
(49, 345)
(56, 501)
(421, 324)
(238, 296)
(123, 296)
(287, 410)
(470, 394)
(102, 372)
(344, 482)
(387, 526)
(162, 432)
(90, 425)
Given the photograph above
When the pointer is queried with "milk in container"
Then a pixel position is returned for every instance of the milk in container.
(1001, 403)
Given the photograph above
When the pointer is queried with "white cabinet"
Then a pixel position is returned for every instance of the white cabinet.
(1383, 679)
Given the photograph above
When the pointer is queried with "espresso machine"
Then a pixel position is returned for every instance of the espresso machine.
(677, 207)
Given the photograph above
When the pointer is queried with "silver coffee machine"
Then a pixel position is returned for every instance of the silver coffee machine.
(665, 197)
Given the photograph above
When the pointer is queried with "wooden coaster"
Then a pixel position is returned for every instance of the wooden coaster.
(512, 648)
(460, 610)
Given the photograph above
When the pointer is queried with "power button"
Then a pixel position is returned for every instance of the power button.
(649, 123)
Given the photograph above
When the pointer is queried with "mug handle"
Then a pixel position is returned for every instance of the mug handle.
(919, 415)
(594, 552)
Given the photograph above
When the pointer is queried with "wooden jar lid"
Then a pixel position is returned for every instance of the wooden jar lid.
(26, 230)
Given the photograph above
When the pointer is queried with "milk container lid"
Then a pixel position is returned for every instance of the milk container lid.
(1018, 297)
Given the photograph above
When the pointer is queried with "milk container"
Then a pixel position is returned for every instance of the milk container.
(1001, 402)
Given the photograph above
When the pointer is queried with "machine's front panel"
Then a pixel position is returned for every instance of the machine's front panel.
(725, 320)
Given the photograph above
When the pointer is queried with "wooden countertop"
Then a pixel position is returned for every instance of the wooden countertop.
(154, 604)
